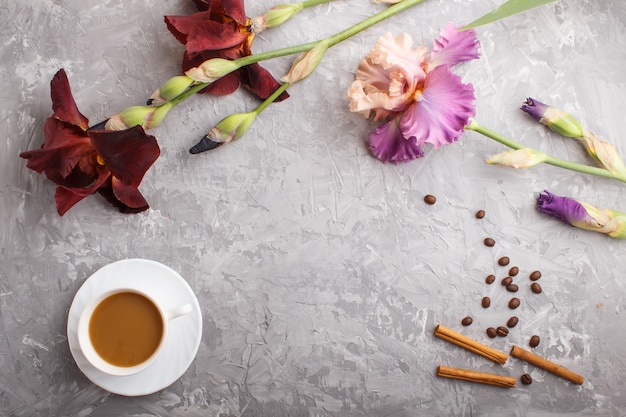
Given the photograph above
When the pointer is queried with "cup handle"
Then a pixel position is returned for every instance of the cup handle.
(178, 311)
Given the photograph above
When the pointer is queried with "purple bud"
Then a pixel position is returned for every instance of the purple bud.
(535, 108)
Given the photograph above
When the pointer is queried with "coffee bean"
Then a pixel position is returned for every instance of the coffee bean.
(502, 331)
(490, 279)
(491, 332)
(512, 288)
(535, 275)
(513, 271)
(489, 242)
(467, 321)
(430, 199)
(514, 303)
(534, 341)
(504, 261)
(526, 379)
(512, 322)
(480, 214)
(486, 302)
(506, 281)
(536, 288)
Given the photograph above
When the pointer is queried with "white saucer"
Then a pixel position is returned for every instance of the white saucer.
(165, 286)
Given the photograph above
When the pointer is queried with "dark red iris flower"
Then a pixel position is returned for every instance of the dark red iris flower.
(82, 161)
(220, 29)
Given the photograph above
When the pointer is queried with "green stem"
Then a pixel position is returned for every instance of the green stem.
(190, 92)
(331, 41)
(334, 39)
(551, 160)
(271, 98)
(311, 3)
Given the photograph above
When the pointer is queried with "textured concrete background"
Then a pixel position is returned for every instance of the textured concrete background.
(320, 271)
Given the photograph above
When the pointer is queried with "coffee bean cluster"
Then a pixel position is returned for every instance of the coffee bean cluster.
(511, 283)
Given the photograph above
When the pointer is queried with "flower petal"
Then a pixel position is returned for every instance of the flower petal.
(535, 108)
(226, 85)
(565, 209)
(260, 82)
(63, 103)
(203, 5)
(64, 147)
(389, 145)
(127, 153)
(200, 33)
(443, 111)
(388, 77)
(454, 46)
(210, 35)
(127, 193)
(234, 9)
(66, 199)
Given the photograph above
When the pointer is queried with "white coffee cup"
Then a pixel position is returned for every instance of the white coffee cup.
(87, 344)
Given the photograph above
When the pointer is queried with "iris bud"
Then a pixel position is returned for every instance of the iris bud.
(583, 215)
(212, 69)
(521, 158)
(172, 88)
(557, 120)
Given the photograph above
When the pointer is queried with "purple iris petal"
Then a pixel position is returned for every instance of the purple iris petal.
(535, 108)
(443, 111)
(389, 145)
(454, 46)
(565, 209)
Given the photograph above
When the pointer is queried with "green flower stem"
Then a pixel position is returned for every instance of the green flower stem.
(334, 39)
(561, 163)
(271, 98)
(331, 41)
(311, 3)
(190, 92)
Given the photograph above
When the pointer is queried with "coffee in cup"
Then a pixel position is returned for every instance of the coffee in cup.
(121, 332)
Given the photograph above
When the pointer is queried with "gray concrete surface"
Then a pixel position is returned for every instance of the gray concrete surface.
(320, 272)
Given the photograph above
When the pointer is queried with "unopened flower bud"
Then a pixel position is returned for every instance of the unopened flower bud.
(275, 16)
(583, 215)
(520, 158)
(228, 129)
(605, 154)
(212, 69)
(305, 63)
(172, 88)
(148, 117)
(557, 120)
(567, 125)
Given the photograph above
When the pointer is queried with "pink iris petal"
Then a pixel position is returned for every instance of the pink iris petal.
(442, 112)
(397, 54)
(453, 47)
(389, 145)
(387, 77)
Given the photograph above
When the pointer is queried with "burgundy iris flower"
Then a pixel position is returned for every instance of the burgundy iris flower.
(220, 29)
(83, 160)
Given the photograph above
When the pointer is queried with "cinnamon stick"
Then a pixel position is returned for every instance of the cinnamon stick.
(465, 342)
(475, 376)
(545, 364)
